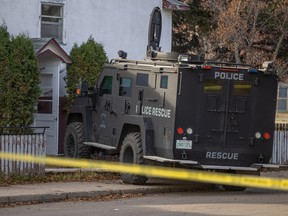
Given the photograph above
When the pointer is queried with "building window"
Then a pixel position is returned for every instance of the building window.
(52, 21)
(45, 101)
(282, 105)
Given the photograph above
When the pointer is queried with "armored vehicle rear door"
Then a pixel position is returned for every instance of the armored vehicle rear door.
(215, 105)
(228, 99)
(229, 113)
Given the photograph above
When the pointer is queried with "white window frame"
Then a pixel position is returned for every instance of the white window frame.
(282, 85)
(53, 17)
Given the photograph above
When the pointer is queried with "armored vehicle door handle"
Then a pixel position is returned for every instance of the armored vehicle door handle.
(233, 131)
(216, 130)
(180, 84)
(107, 105)
(152, 99)
(126, 107)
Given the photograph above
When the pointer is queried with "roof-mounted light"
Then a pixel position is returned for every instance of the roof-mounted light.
(229, 69)
(122, 54)
(207, 67)
(183, 58)
(252, 70)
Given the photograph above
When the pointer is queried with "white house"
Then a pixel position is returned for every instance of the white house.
(128, 25)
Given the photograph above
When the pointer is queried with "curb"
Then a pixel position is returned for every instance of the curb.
(61, 196)
(54, 195)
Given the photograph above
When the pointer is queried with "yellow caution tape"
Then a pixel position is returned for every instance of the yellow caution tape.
(162, 172)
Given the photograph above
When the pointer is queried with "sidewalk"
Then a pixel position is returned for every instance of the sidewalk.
(52, 192)
(57, 191)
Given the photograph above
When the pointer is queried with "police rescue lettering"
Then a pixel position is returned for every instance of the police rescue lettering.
(155, 111)
(229, 76)
(222, 155)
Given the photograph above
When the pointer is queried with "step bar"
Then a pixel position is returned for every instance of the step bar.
(254, 167)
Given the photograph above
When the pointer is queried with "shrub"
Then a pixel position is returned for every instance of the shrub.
(19, 80)
(4, 43)
(88, 59)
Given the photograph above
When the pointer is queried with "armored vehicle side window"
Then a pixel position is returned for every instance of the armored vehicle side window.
(142, 79)
(125, 87)
(106, 86)
(164, 82)
(213, 86)
(242, 88)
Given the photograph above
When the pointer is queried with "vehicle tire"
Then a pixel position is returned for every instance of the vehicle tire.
(74, 146)
(132, 152)
(239, 188)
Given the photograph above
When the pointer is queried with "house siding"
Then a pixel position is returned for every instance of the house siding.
(116, 24)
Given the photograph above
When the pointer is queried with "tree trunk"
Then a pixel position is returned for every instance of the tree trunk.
(236, 54)
(275, 54)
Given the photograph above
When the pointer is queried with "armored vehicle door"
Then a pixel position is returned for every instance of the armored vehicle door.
(124, 94)
(103, 116)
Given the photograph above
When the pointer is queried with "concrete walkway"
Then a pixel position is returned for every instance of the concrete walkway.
(57, 191)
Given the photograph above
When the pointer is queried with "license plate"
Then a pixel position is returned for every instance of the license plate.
(183, 144)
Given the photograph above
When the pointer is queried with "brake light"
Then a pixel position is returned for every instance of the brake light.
(180, 131)
(267, 136)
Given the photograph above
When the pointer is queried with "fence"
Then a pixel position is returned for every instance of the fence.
(32, 144)
(280, 147)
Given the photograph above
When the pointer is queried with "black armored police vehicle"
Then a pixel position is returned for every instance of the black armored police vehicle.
(175, 109)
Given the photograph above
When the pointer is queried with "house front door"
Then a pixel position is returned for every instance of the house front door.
(47, 108)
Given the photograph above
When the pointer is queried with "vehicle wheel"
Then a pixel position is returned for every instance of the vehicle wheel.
(239, 188)
(74, 146)
(132, 152)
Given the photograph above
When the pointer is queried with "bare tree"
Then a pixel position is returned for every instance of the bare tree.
(251, 31)
(241, 31)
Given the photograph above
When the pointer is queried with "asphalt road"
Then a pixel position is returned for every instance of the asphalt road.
(217, 202)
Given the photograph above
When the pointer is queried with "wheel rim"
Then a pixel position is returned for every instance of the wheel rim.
(70, 145)
(128, 156)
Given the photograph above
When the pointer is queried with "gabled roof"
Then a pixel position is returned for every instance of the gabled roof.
(49, 46)
(175, 5)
